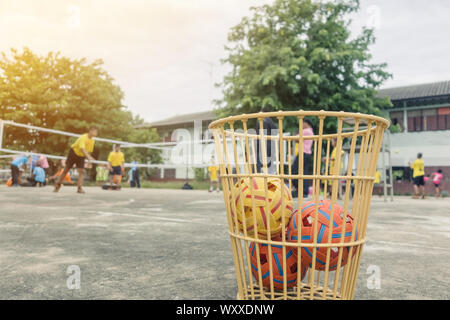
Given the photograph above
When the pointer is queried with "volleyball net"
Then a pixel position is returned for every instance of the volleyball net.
(181, 155)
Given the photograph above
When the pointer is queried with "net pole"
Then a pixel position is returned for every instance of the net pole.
(1, 133)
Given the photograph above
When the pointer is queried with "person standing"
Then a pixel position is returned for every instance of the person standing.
(116, 161)
(43, 163)
(377, 187)
(307, 159)
(213, 176)
(333, 170)
(17, 164)
(418, 168)
(135, 173)
(79, 151)
(437, 177)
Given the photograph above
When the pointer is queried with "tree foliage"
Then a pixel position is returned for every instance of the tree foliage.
(65, 94)
(142, 135)
(299, 54)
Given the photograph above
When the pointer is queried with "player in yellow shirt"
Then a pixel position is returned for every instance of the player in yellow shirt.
(213, 175)
(79, 151)
(418, 168)
(377, 188)
(377, 177)
(333, 159)
(116, 162)
(332, 167)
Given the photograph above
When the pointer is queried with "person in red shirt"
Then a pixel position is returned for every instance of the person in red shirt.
(307, 159)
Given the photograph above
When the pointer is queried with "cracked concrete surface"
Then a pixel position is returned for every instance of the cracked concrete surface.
(173, 244)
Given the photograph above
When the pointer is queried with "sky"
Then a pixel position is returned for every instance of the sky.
(165, 54)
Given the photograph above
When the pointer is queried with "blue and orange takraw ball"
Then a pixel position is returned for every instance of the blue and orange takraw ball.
(305, 222)
(277, 265)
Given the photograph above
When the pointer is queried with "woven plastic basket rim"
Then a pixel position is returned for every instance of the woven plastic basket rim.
(299, 114)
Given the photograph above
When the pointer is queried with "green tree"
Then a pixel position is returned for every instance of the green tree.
(143, 155)
(299, 54)
(65, 94)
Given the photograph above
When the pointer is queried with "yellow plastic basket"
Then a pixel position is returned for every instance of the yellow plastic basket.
(305, 249)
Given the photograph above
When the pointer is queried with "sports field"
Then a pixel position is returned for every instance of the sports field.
(173, 244)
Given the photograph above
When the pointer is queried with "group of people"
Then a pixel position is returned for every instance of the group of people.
(80, 151)
(269, 128)
(266, 162)
(419, 178)
(39, 168)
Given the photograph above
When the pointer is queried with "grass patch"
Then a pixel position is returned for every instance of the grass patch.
(204, 185)
(198, 185)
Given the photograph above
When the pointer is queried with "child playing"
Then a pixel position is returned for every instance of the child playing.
(418, 168)
(377, 183)
(333, 164)
(307, 159)
(116, 164)
(16, 165)
(135, 173)
(213, 176)
(79, 151)
(130, 179)
(437, 177)
(38, 177)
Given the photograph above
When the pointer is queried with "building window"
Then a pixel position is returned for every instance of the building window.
(430, 119)
(415, 120)
(443, 122)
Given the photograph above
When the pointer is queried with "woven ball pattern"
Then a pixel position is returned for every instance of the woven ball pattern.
(306, 221)
(267, 212)
(277, 266)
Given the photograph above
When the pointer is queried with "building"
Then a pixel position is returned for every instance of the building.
(167, 127)
(421, 114)
(195, 125)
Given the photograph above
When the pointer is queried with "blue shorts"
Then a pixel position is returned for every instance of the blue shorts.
(116, 171)
(419, 181)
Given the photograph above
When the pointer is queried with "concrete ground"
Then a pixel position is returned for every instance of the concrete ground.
(171, 244)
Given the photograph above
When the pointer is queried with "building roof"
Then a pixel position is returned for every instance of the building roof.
(182, 119)
(435, 89)
(414, 92)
